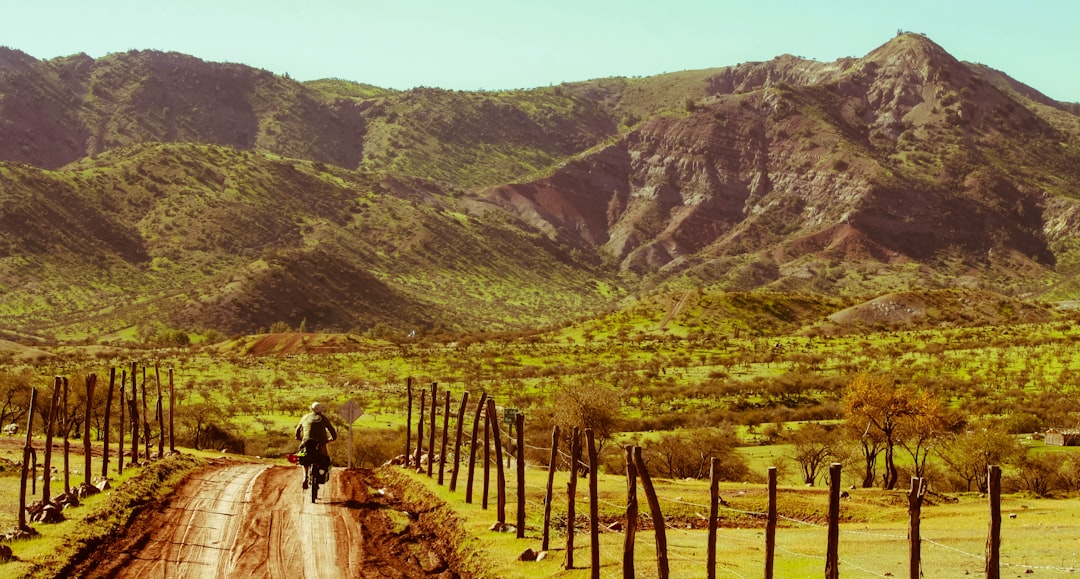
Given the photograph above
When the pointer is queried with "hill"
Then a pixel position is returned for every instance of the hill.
(201, 237)
(145, 191)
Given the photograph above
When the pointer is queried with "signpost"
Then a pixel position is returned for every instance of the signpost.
(350, 411)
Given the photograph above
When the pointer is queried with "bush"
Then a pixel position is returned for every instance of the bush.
(687, 454)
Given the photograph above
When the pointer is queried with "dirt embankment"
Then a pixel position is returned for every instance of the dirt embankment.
(254, 520)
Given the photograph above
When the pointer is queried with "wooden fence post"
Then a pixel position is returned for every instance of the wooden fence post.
(46, 487)
(65, 425)
(500, 479)
(487, 459)
(631, 514)
(993, 539)
(552, 462)
(420, 430)
(770, 526)
(27, 450)
(91, 383)
(160, 414)
(832, 553)
(123, 426)
(594, 507)
(571, 494)
(915, 499)
(431, 435)
(408, 421)
(172, 408)
(108, 415)
(445, 438)
(659, 529)
(714, 512)
(133, 415)
(472, 446)
(145, 418)
(457, 440)
(520, 418)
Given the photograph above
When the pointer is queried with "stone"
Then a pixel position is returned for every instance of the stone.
(432, 562)
(527, 555)
(84, 490)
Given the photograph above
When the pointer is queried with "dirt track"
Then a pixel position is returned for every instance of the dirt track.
(250, 520)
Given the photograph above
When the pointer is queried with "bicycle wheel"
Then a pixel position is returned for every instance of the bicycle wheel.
(313, 482)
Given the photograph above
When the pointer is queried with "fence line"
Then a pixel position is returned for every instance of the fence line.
(602, 559)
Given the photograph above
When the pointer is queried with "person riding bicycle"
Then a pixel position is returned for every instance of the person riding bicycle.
(313, 432)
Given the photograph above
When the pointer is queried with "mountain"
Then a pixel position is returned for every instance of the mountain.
(148, 189)
(773, 172)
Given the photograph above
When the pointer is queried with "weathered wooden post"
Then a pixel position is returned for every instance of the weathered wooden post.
(27, 451)
(123, 425)
(993, 539)
(520, 418)
(594, 507)
(487, 459)
(146, 418)
(571, 496)
(770, 526)
(457, 440)
(420, 430)
(631, 514)
(431, 435)
(714, 513)
(915, 499)
(472, 446)
(46, 487)
(160, 414)
(91, 383)
(500, 478)
(408, 421)
(65, 426)
(133, 415)
(172, 408)
(552, 462)
(832, 553)
(445, 437)
(108, 416)
(659, 527)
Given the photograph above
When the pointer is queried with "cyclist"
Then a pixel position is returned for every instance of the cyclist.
(313, 432)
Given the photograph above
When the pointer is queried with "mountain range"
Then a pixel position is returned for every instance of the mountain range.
(145, 190)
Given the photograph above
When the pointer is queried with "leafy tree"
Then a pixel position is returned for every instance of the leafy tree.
(1041, 473)
(926, 427)
(595, 406)
(688, 453)
(15, 395)
(814, 447)
(968, 455)
(884, 405)
(198, 421)
(870, 445)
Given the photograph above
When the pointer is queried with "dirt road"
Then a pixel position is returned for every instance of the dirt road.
(251, 520)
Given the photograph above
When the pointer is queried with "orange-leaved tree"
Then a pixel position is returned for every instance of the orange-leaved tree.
(883, 405)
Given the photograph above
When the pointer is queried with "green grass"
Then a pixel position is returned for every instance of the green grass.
(97, 517)
(872, 531)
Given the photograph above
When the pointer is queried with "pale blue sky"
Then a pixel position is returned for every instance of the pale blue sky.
(501, 44)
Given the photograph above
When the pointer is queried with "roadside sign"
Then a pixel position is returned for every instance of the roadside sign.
(350, 411)
(509, 415)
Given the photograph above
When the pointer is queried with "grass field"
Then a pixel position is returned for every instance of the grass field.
(873, 531)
